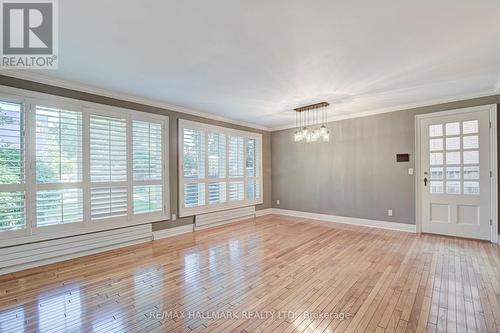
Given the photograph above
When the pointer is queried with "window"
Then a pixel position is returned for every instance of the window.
(66, 164)
(454, 163)
(12, 180)
(219, 168)
(59, 166)
(147, 166)
(108, 166)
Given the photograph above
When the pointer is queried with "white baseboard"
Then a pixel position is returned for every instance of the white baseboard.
(184, 229)
(348, 220)
(263, 212)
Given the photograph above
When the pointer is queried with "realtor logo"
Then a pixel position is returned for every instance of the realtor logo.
(29, 34)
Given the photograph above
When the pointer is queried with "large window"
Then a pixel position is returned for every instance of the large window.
(220, 168)
(70, 167)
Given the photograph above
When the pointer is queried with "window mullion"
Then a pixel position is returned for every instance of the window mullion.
(86, 167)
(29, 131)
(129, 164)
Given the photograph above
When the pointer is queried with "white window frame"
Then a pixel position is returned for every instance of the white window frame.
(207, 208)
(32, 233)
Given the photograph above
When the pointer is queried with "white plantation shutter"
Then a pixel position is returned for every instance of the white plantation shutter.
(108, 202)
(194, 153)
(12, 181)
(108, 149)
(58, 151)
(59, 206)
(147, 166)
(236, 156)
(220, 168)
(216, 155)
(70, 168)
(252, 157)
(108, 166)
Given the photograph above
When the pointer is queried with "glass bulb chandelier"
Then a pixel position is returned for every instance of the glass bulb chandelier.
(310, 123)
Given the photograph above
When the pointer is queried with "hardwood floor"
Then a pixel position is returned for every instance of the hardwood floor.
(274, 274)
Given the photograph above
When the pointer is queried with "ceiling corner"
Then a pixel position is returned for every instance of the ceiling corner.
(497, 85)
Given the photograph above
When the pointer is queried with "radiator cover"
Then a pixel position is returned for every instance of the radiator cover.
(19, 257)
(225, 216)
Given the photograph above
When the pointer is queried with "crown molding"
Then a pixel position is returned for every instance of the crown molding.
(402, 107)
(72, 85)
(497, 85)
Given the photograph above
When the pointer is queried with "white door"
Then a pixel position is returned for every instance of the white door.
(455, 173)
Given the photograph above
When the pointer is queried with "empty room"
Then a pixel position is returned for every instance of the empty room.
(249, 166)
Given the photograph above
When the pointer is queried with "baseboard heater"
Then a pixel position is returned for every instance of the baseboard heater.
(19, 257)
(225, 216)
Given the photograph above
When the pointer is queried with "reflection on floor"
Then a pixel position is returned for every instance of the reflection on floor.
(273, 274)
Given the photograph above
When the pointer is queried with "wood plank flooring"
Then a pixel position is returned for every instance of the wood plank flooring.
(272, 274)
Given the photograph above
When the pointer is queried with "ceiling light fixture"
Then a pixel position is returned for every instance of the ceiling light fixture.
(310, 123)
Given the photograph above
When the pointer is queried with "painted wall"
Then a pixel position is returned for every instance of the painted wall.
(356, 173)
(173, 148)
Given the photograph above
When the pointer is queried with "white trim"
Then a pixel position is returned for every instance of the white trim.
(263, 212)
(493, 163)
(401, 107)
(165, 233)
(494, 171)
(72, 85)
(347, 220)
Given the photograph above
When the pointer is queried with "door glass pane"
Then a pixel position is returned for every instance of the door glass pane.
(470, 127)
(453, 187)
(453, 157)
(471, 142)
(436, 173)
(436, 187)
(435, 130)
(453, 143)
(471, 188)
(471, 172)
(453, 172)
(436, 158)
(452, 129)
(436, 144)
(471, 157)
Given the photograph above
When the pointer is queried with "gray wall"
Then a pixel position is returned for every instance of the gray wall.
(356, 173)
(173, 120)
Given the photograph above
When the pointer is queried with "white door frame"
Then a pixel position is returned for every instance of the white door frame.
(492, 108)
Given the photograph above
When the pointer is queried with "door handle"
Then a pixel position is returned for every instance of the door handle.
(425, 181)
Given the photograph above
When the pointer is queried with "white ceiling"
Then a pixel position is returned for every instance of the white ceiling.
(255, 61)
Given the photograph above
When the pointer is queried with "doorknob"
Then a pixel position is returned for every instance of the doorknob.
(425, 181)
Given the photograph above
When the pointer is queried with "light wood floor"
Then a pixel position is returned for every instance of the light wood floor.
(254, 275)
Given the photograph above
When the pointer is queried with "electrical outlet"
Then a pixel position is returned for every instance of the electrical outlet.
(389, 212)
(410, 171)
(174, 217)
(278, 202)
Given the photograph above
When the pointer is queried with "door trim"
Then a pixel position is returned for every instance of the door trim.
(492, 108)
